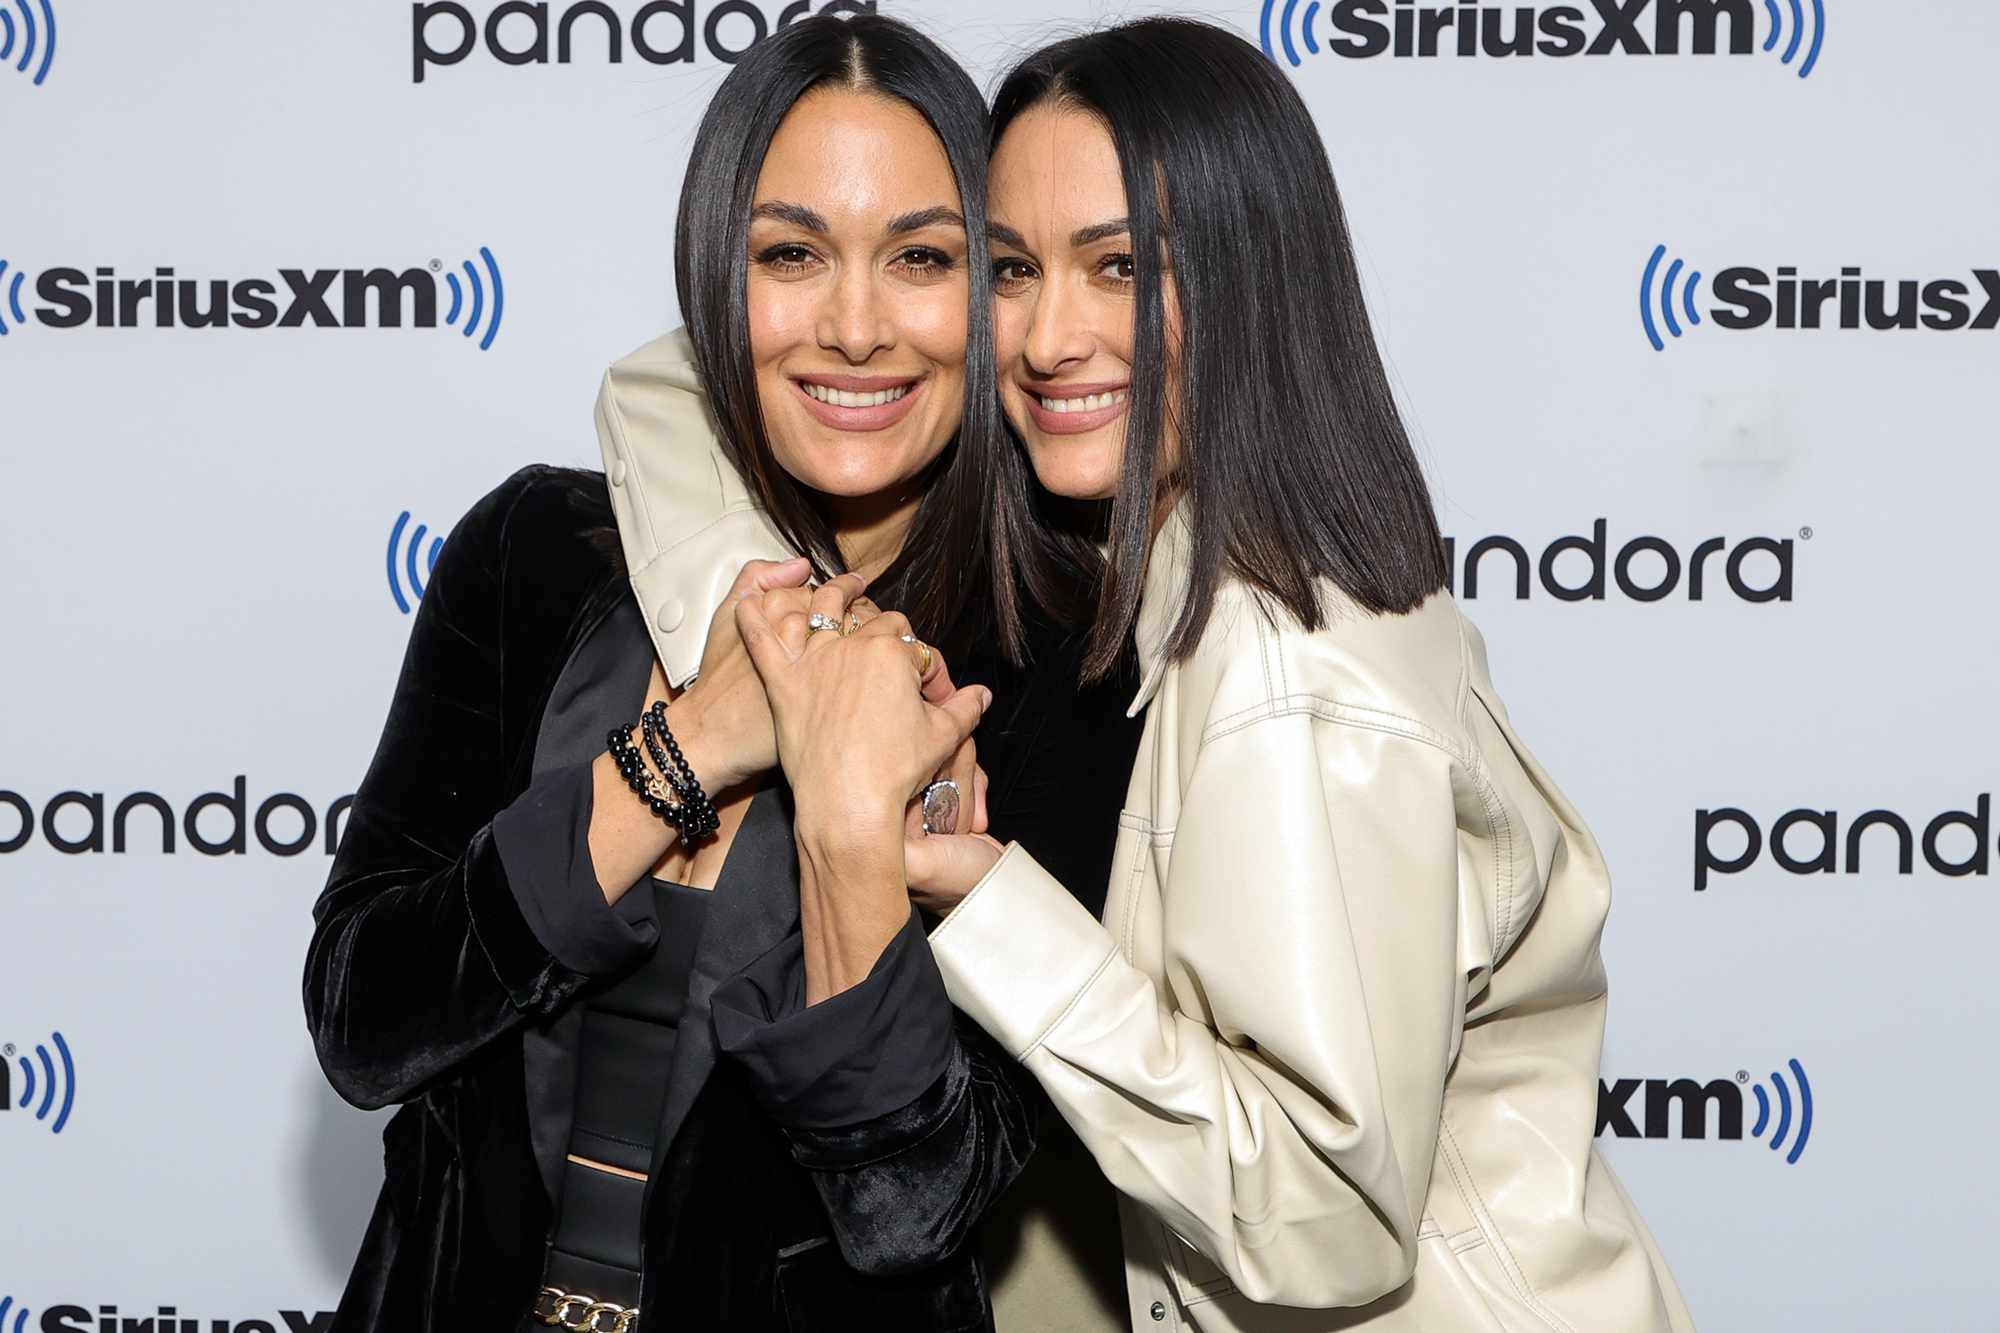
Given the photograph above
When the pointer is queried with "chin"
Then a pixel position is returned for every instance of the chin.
(1076, 471)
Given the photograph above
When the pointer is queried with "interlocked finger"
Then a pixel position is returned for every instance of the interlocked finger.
(828, 607)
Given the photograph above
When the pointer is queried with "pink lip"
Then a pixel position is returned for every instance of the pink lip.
(1073, 423)
(879, 417)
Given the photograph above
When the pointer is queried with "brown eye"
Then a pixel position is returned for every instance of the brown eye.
(1119, 267)
(924, 262)
(1011, 276)
(786, 258)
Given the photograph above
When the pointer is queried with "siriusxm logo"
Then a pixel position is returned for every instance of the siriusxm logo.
(664, 32)
(164, 1319)
(326, 298)
(1645, 569)
(52, 1076)
(1793, 834)
(1751, 298)
(1358, 29)
(30, 48)
(1788, 1129)
(403, 557)
(268, 823)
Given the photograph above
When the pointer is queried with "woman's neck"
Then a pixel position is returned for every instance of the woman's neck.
(871, 529)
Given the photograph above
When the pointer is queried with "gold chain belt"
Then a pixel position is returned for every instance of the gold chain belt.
(583, 1314)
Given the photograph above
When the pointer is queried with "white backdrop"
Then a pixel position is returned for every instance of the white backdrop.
(196, 532)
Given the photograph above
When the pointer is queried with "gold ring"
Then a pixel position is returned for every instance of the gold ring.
(850, 625)
(924, 664)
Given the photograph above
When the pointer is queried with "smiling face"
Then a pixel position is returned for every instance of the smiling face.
(1064, 300)
(857, 294)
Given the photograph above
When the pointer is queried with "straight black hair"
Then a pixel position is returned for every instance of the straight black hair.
(1295, 462)
(940, 577)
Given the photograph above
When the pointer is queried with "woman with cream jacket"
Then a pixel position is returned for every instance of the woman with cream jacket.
(1335, 1037)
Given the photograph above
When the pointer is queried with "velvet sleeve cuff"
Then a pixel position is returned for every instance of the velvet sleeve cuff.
(544, 843)
(871, 1050)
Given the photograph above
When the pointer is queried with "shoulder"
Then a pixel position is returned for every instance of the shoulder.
(544, 520)
(1411, 671)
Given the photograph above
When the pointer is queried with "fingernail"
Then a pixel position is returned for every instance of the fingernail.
(985, 698)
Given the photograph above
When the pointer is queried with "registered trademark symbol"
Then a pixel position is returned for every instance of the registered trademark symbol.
(1806, 533)
(436, 266)
(8, 1049)
(1742, 1076)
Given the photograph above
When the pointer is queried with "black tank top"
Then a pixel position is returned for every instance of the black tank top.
(626, 1047)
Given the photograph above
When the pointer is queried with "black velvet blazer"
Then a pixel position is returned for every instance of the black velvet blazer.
(426, 985)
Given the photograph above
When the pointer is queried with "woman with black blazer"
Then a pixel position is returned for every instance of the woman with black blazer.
(653, 1068)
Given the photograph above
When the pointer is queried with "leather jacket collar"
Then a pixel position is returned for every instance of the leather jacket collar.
(686, 521)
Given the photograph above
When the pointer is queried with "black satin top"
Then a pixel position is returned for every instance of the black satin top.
(625, 1049)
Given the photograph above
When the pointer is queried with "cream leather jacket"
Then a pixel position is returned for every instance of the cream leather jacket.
(1336, 1039)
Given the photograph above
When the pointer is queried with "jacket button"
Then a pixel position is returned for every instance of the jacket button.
(672, 613)
(1158, 1311)
(617, 472)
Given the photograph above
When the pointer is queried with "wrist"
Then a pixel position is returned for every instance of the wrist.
(700, 747)
(830, 842)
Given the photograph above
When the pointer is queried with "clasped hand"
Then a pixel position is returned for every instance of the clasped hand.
(864, 717)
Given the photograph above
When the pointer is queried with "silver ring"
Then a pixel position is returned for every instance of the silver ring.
(819, 620)
(940, 802)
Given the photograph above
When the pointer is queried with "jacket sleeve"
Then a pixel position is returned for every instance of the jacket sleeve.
(453, 913)
(1309, 907)
(909, 1118)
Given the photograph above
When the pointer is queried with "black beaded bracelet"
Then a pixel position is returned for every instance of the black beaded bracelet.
(673, 765)
(694, 822)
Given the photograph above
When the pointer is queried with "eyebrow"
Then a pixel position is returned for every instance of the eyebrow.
(801, 216)
(1099, 231)
(1082, 236)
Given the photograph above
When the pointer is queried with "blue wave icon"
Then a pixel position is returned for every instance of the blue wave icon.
(35, 38)
(20, 1316)
(1304, 27)
(1785, 1122)
(53, 1087)
(1661, 291)
(10, 302)
(479, 306)
(404, 554)
(1800, 32)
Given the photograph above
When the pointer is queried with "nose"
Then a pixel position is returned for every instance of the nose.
(1059, 331)
(854, 320)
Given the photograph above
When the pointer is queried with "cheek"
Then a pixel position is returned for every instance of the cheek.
(934, 323)
(780, 317)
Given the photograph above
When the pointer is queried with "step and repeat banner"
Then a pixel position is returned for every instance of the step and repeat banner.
(1692, 305)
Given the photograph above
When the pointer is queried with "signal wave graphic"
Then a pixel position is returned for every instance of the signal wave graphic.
(35, 38)
(1795, 35)
(477, 287)
(405, 554)
(1784, 1125)
(1285, 26)
(1661, 290)
(10, 302)
(51, 1084)
(20, 1316)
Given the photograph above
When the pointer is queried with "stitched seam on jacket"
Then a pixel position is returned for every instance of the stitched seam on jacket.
(1462, 1177)
(1503, 871)
(1074, 1000)
(1134, 884)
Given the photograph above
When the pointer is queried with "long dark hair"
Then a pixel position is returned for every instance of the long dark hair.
(1296, 464)
(940, 576)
